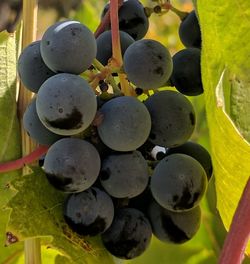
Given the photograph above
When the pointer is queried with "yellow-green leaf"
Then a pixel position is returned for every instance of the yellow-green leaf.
(37, 211)
(10, 143)
(226, 80)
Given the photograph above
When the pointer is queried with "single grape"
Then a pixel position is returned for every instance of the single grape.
(173, 118)
(126, 123)
(186, 75)
(89, 213)
(178, 182)
(190, 32)
(66, 104)
(174, 227)
(72, 165)
(124, 174)
(34, 127)
(148, 64)
(104, 45)
(68, 46)
(132, 18)
(196, 151)
(32, 70)
(129, 235)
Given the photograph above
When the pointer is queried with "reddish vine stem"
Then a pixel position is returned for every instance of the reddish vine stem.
(116, 45)
(239, 232)
(28, 159)
(105, 21)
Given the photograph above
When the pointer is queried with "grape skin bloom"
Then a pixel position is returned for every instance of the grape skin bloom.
(66, 104)
(178, 182)
(148, 64)
(124, 175)
(129, 235)
(34, 127)
(173, 118)
(126, 123)
(90, 212)
(32, 70)
(174, 227)
(68, 46)
(69, 165)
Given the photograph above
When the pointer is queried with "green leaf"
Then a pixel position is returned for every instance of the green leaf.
(87, 12)
(226, 80)
(37, 211)
(10, 146)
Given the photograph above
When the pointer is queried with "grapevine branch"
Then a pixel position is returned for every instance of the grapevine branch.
(105, 21)
(116, 47)
(239, 232)
(28, 159)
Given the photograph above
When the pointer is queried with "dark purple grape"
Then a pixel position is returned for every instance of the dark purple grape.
(129, 235)
(132, 18)
(186, 75)
(190, 32)
(72, 165)
(124, 175)
(32, 70)
(126, 123)
(68, 46)
(196, 151)
(173, 118)
(148, 64)
(178, 182)
(34, 127)
(89, 213)
(104, 45)
(174, 227)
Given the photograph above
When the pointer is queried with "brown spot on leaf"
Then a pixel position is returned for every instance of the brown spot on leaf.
(10, 239)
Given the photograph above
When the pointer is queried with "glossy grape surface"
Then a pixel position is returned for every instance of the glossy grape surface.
(68, 46)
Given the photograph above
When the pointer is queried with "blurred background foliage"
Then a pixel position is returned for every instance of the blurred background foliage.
(205, 247)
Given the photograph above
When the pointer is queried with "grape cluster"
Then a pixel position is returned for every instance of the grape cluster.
(127, 165)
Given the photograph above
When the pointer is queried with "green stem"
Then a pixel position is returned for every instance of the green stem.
(32, 251)
(110, 78)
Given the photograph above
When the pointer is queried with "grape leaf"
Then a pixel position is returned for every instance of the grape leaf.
(37, 211)
(86, 12)
(10, 146)
(225, 74)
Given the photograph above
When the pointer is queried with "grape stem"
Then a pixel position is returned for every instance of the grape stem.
(28, 159)
(182, 15)
(105, 21)
(239, 232)
(116, 48)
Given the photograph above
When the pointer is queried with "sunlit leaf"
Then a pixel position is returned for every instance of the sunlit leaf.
(10, 143)
(226, 80)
